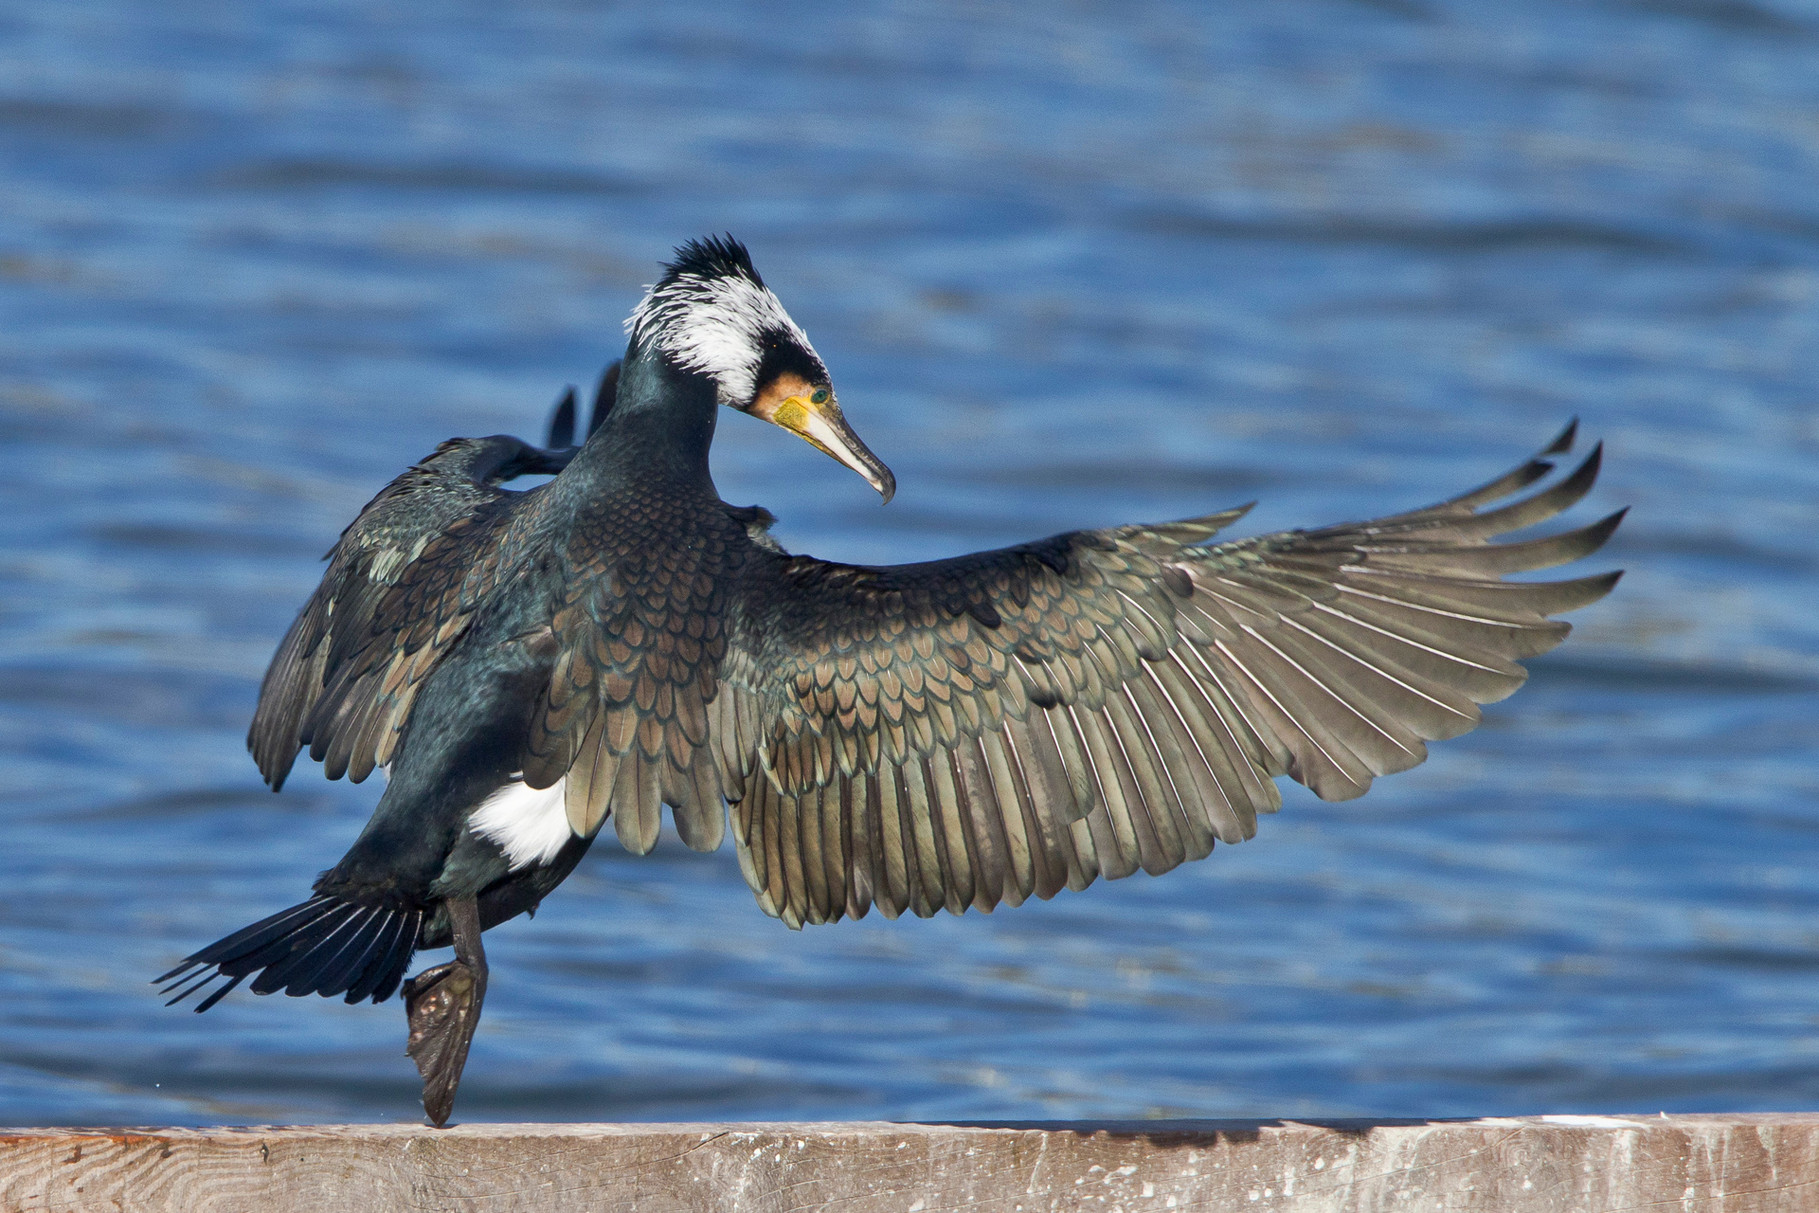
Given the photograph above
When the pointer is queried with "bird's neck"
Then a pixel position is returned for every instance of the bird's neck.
(658, 433)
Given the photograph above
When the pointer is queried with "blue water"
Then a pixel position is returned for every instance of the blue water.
(1086, 264)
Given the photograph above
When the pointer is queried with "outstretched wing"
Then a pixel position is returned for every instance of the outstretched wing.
(974, 731)
(401, 584)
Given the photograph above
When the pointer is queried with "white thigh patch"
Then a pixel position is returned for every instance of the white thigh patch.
(529, 825)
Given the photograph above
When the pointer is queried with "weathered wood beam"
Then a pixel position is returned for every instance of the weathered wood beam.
(1699, 1164)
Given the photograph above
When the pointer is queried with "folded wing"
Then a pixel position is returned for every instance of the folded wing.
(401, 585)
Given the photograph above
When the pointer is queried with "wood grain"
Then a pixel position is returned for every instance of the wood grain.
(1700, 1164)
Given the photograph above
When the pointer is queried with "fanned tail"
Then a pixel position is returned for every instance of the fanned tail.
(324, 946)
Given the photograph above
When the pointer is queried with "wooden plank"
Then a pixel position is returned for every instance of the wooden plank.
(1696, 1164)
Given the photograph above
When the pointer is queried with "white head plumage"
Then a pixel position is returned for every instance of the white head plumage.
(712, 314)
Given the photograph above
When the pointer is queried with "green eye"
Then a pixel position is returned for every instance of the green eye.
(820, 396)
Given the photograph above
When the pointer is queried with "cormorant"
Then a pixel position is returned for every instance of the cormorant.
(962, 732)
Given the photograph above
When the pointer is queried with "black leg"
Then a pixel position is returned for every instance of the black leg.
(443, 1004)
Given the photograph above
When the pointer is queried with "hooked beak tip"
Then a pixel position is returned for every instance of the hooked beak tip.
(825, 428)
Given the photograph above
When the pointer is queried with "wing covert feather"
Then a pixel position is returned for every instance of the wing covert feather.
(975, 731)
(401, 583)
(633, 708)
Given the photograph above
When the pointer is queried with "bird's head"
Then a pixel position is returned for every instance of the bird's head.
(711, 314)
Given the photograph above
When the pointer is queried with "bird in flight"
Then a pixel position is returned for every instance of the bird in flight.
(530, 666)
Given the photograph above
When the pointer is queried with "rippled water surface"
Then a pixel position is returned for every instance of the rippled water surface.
(1086, 265)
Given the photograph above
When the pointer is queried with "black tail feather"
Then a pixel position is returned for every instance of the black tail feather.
(337, 955)
(382, 974)
(220, 992)
(297, 975)
(284, 956)
(191, 986)
(323, 946)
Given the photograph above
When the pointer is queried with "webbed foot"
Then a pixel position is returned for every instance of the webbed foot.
(443, 1006)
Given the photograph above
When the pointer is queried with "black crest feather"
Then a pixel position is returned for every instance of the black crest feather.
(711, 257)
